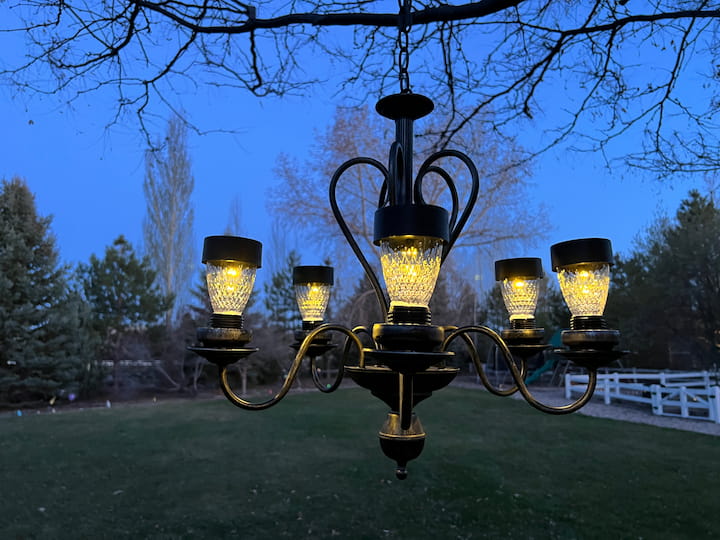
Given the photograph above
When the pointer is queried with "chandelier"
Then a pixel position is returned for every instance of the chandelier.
(408, 357)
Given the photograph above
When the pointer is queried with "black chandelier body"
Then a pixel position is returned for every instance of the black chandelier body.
(408, 357)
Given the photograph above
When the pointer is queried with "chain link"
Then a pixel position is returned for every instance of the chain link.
(403, 45)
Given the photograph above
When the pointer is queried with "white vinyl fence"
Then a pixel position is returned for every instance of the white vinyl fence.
(692, 394)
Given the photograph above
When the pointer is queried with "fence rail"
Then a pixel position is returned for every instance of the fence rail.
(691, 394)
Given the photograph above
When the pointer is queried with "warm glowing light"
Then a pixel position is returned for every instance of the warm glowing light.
(229, 285)
(585, 288)
(410, 267)
(312, 299)
(520, 296)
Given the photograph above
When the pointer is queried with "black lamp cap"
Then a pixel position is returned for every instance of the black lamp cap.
(232, 248)
(522, 267)
(411, 220)
(313, 274)
(584, 250)
(408, 105)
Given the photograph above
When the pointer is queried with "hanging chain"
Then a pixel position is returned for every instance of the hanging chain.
(403, 45)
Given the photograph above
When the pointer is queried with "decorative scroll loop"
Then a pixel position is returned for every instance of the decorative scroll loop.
(428, 167)
(517, 374)
(294, 369)
(346, 230)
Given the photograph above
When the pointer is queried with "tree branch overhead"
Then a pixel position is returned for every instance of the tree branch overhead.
(617, 68)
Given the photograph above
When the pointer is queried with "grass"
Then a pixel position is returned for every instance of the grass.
(311, 467)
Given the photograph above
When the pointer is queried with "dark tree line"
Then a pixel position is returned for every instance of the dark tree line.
(590, 71)
(46, 339)
(61, 328)
(665, 295)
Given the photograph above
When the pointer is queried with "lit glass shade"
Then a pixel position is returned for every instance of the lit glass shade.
(520, 284)
(520, 296)
(410, 266)
(585, 288)
(229, 285)
(312, 299)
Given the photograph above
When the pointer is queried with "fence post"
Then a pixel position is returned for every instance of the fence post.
(683, 402)
(656, 399)
(714, 405)
(662, 378)
(606, 389)
(568, 393)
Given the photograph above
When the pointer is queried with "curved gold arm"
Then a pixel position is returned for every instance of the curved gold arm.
(517, 375)
(292, 374)
(324, 387)
(481, 370)
(357, 331)
(479, 367)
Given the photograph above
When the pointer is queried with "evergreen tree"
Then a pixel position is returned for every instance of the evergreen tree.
(280, 295)
(122, 290)
(666, 294)
(44, 339)
(124, 296)
(200, 307)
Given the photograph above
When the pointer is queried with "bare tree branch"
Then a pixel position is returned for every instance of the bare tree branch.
(591, 71)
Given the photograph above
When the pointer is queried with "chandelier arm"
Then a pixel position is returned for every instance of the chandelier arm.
(292, 373)
(518, 375)
(442, 173)
(481, 370)
(472, 197)
(384, 307)
(357, 331)
(325, 389)
(570, 407)
(383, 197)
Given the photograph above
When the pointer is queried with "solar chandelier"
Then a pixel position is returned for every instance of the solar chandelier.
(408, 358)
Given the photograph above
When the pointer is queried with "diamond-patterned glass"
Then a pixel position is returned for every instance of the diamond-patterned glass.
(312, 299)
(229, 285)
(410, 267)
(585, 288)
(520, 296)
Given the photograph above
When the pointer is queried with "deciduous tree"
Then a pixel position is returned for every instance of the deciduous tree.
(497, 221)
(168, 226)
(591, 71)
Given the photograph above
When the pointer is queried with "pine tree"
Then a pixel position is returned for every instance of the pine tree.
(665, 296)
(45, 346)
(124, 296)
(280, 295)
(121, 289)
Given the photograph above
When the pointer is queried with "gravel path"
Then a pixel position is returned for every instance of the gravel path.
(624, 411)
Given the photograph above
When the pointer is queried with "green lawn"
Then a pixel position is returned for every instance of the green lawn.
(312, 467)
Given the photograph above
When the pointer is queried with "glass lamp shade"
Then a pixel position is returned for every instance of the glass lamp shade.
(583, 269)
(520, 285)
(312, 299)
(585, 288)
(410, 266)
(231, 263)
(229, 285)
(312, 290)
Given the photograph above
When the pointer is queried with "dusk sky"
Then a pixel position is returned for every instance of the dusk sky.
(89, 176)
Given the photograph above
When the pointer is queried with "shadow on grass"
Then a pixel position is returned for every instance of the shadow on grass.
(312, 467)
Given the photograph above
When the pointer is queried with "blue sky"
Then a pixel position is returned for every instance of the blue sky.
(89, 176)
